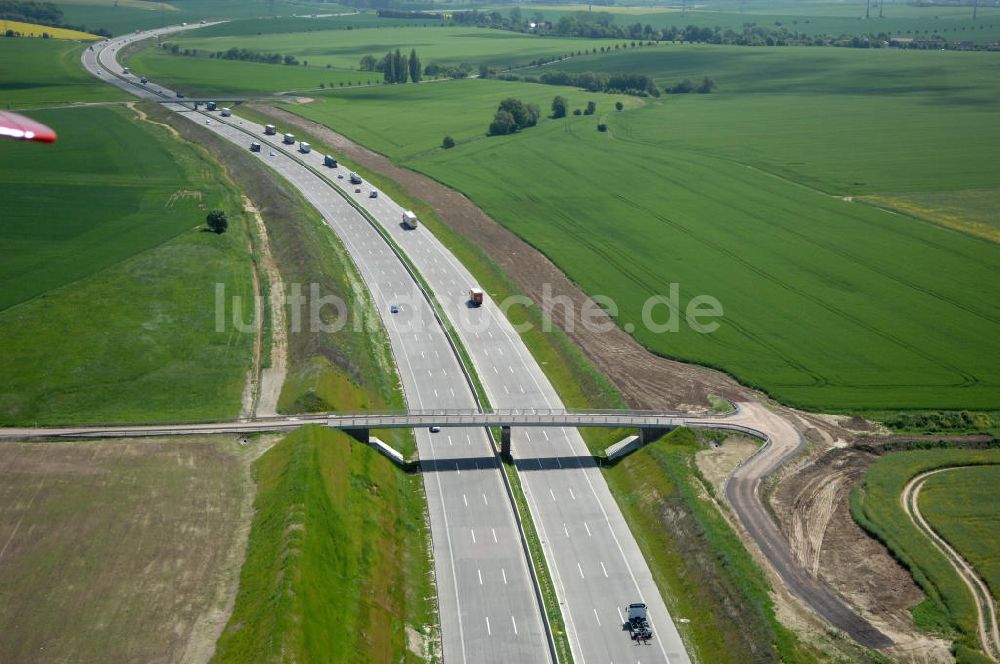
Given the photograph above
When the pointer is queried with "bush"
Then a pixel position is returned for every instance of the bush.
(217, 221)
(448, 143)
(503, 123)
(602, 127)
(559, 107)
(591, 108)
(619, 106)
(577, 111)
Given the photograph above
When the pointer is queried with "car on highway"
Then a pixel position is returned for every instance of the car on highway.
(373, 194)
(435, 429)
(394, 309)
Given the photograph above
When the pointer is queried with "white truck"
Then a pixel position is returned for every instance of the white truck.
(409, 219)
(305, 148)
(289, 139)
(226, 112)
(270, 130)
(476, 297)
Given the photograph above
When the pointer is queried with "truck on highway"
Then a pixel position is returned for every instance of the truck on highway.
(638, 622)
(289, 139)
(226, 112)
(328, 160)
(125, 70)
(305, 148)
(476, 297)
(355, 178)
(211, 105)
(255, 147)
(270, 130)
(409, 219)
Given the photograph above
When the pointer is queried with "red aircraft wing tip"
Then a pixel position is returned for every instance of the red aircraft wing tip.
(19, 127)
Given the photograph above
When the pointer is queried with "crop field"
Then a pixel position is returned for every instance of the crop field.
(949, 608)
(45, 72)
(337, 566)
(108, 285)
(35, 30)
(738, 195)
(120, 551)
(963, 506)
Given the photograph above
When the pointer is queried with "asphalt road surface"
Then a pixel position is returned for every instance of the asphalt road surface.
(489, 610)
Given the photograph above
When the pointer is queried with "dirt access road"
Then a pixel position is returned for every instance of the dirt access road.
(989, 634)
(645, 380)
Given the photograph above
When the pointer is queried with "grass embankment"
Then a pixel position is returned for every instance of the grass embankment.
(949, 609)
(346, 369)
(699, 564)
(715, 205)
(109, 282)
(337, 529)
(45, 72)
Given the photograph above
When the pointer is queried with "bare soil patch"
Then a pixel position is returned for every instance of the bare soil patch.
(121, 551)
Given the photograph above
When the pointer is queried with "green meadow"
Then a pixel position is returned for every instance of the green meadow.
(949, 608)
(746, 195)
(108, 286)
(46, 72)
(963, 506)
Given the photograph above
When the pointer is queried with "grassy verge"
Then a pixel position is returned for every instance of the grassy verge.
(949, 609)
(664, 501)
(337, 528)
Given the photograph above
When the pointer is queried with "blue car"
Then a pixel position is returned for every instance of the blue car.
(394, 309)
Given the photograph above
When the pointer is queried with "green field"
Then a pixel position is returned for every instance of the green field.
(949, 608)
(337, 565)
(46, 72)
(736, 195)
(963, 506)
(108, 286)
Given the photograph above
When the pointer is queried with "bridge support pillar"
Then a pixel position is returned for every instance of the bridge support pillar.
(649, 434)
(505, 441)
(360, 435)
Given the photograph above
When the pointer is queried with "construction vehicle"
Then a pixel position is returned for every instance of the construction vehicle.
(409, 219)
(355, 178)
(289, 139)
(638, 622)
(476, 296)
(270, 130)
(226, 112)
(328, 160)
(305, 148)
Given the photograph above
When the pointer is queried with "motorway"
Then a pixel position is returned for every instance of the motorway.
(489, 611)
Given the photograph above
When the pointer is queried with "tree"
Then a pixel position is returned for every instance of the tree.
(503, 123)
(602, 127)
(619, 106)
(559, 107)
(525, 115)
(217, 221)
(388, 70)
(706, 86)
(448, 143)
(591, 108)
(414, 63)
(367, 63)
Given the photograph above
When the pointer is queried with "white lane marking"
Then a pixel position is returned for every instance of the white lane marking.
(604, 569)
(430, 373)
(513, 622)
(487, 332)
(452, 390)
(500, 350)
(484, 499)
(566, 530)
(487, 351)
(473, 532)
(552, 494)
(588, 529)
(522, 388)
(468, 439)
(539, 464)
(435, 393)
(495, 369)
(571, 494)
(494, 534)
(488, 630)
(480, 573)
(459, 470)
(598, 618)
(506, 389)
(580, 570)
(422, 354)
(546, 434)
(444, 371)
(449, 440)
(559, 462)
(620, 616)
(465, 500)
(510, 368)
(503, 572)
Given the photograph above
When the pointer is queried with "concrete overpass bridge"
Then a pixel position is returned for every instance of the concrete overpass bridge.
(651, 424)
